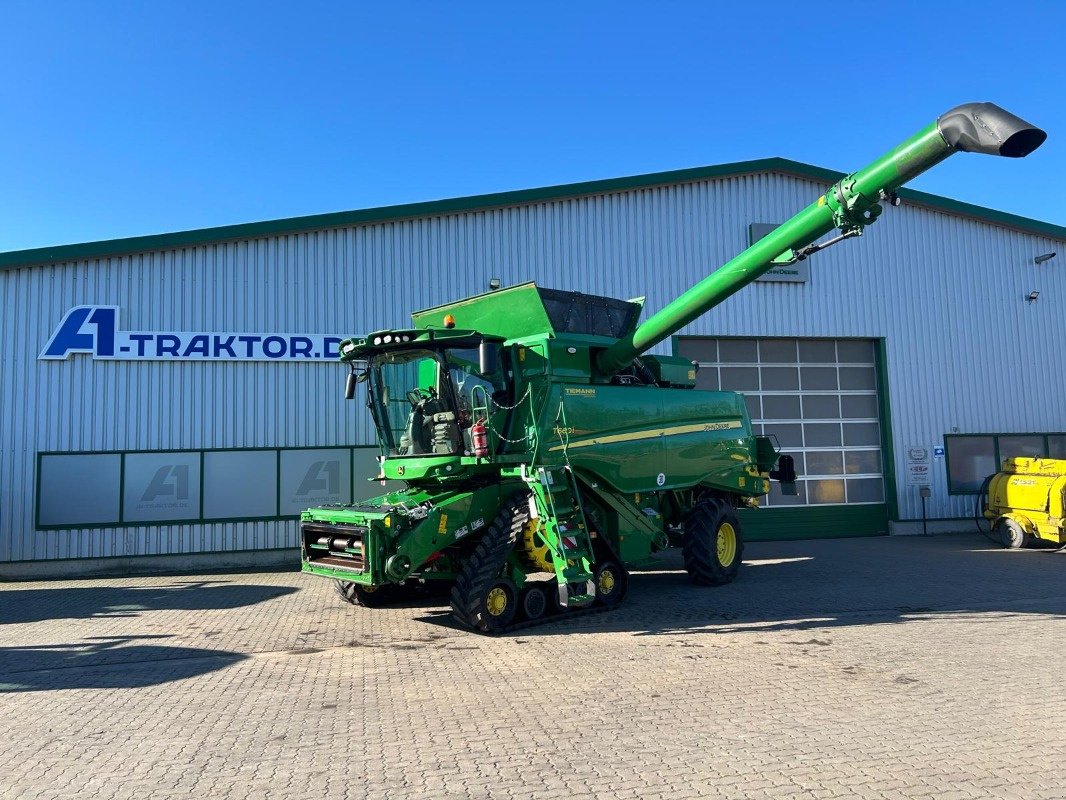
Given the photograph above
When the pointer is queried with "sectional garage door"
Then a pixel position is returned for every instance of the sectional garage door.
(819, 398)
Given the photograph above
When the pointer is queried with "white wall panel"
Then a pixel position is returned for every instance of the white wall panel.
(964, 350)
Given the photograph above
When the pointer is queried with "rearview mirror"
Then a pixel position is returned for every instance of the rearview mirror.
(486, 357)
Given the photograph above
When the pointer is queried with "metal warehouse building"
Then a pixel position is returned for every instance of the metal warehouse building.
(176, 395)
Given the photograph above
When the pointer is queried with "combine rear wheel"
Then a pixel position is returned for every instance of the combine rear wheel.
(713, 544)
(481, 599)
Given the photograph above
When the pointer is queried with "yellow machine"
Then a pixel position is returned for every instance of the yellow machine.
(1027, 501)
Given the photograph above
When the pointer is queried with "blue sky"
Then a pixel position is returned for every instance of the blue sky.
(120, 118)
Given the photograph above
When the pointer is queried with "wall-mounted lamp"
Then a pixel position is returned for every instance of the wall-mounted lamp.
(1043, 258)
(1031, 297)
(494, 284)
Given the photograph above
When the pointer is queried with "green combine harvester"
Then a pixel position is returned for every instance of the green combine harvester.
(542, 451)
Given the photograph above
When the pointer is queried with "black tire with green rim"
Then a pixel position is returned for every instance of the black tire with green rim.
(480, 572)
(612, 583)
(713, 544)
(1011, 534)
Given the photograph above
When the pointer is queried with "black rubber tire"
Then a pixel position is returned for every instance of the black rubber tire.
(1011, 535)
(534, 602)
(481, 569)
(359, 595)
(700, 543)
(615, 593)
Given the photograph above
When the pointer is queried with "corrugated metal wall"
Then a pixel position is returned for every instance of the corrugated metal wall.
(964, 350)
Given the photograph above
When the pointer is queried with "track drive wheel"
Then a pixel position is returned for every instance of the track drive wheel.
(612, 583)
(534, 551)
(1011, 534)
(713, 545)
(481, 599)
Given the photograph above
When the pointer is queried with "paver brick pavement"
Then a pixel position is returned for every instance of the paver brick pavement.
(879, 668)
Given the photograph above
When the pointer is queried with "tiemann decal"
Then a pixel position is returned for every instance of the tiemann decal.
(94, 330)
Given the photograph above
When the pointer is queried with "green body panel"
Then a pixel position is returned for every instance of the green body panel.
(613, 447)
(512, 313)
(648, 438)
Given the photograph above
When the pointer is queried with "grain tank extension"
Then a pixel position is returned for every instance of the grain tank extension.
(542, 451)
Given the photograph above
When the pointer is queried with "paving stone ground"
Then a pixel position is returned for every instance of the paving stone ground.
(901, 667)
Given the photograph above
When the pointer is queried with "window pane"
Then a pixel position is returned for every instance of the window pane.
(742, 350)
(858, 378)
(866, 490)
(740, 379)
(861, 352)
(821, 434)
(814, 351)
(828, 463)
(862, 461)
(781, 406)
(857, 434)
(1021, 446)
(819, 378)
(752, 402)
(787, 435)
(858, 406)
(780, 378)
(825, 491)
(1056, 446)
(778, 499)
(777, 351)
(707, 378)
(821, 406)
(970, 460)
(698, 349)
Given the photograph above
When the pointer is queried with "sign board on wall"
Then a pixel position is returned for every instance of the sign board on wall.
(800, 272)
(94, 330)
(918, 472)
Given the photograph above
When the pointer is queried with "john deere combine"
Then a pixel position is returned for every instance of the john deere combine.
(542, 450)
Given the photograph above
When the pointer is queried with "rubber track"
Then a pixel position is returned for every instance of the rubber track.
(483, 566)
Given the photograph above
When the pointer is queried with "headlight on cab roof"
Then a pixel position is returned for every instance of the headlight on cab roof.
(347, 348)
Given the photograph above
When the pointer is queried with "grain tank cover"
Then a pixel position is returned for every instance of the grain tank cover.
(530, 310)
(574, 312)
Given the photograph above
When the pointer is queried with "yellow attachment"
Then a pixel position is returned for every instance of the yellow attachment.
(496, 602)
(727, 544)
(534, 551)
(1032, 492)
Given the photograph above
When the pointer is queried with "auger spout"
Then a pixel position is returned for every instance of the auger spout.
(849, 206)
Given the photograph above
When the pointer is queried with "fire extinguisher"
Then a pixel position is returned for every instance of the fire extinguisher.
(479, 437)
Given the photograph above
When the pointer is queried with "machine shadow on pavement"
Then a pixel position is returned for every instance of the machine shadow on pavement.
(66, 602)
(105, 662)
(818, 584)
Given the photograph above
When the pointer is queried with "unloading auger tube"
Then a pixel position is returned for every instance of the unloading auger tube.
(849, 206)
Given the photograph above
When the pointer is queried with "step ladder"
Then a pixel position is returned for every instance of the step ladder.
(557, 503)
